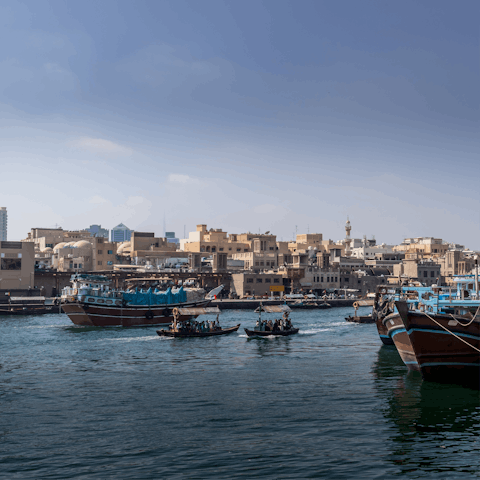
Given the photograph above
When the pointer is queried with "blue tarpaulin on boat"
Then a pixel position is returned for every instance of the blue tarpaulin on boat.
(155, 298)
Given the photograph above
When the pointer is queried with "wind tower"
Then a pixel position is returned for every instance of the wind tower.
(348, 229)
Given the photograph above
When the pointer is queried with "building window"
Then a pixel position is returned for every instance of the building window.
(79, 265)
(276, 280)
(322, 279)
(109, 262)
(239, 249)
(336, 279)
(100, 252)
(256, 264)
(245, 249)
(259, 280)
(74, 265)
(432, 274)
(272, 248)
(110, 252)
(230, 249)
(328, 279)
(11, 263)
(268, 280)
(220, 249)
(99, 262)
(249, 280)
(347, 279)
(214, 249)
(425, 273)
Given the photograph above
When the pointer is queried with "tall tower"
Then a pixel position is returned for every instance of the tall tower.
(348, 229)
(3, 224)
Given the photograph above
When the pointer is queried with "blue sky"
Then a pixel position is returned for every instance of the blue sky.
(247, 116)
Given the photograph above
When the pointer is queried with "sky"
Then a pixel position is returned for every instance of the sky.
(281, 116)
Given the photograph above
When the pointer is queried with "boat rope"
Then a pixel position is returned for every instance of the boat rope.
(467, 324)
(456, 336)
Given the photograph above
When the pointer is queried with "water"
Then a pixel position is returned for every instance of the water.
(331, 402)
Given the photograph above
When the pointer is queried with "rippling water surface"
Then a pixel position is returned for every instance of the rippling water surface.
(330, 402)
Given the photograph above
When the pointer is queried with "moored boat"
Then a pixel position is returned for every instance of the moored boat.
(381, 308)
(437, 330)
(361, 318)
(446, 347)
(91, 302)
(398, 336)
(30, 306)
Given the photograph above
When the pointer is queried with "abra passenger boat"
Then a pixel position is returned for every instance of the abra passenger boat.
(279, 328)
(91, 302)
(191, 328)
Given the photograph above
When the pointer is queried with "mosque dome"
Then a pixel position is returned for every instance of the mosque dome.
(69, 245)
(82, 244)
(123, 247)
(58, 246)
(47, 250)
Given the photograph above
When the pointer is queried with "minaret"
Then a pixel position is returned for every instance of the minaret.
(348, 229)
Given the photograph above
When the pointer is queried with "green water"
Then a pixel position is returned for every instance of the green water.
(330, 402)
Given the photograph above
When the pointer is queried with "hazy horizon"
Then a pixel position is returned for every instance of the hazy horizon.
(279, 116)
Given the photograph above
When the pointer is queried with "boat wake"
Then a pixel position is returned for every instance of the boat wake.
(132, 339)
(313, 331)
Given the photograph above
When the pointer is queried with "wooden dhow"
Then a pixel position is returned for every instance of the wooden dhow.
(91, 302)
(437, 330)
(443, 347)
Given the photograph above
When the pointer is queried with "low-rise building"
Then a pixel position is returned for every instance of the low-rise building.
(415, 267)
(17, 265)
(249, 283)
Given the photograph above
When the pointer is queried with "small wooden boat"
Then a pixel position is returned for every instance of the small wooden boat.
(182, 326)
(285, 309)
(277, 333)
(360, 319)
(224, 331)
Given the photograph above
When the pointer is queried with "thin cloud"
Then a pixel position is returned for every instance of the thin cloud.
(179, 178)
(102, 146)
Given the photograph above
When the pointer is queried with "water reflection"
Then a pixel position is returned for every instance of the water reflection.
(271, 345)
(436, 425)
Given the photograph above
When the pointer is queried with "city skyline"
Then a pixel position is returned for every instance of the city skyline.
(260, 115)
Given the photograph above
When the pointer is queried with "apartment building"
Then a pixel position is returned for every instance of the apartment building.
(3, 224)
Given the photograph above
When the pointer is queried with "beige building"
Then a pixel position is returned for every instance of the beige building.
(216, 240)
(305, 240)
(49, 237)
(427, 246)
(144, 248)
(94, 254)
(414, 267)
(456, 262)
(246, 284)
(17, 265)
(212, 241)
